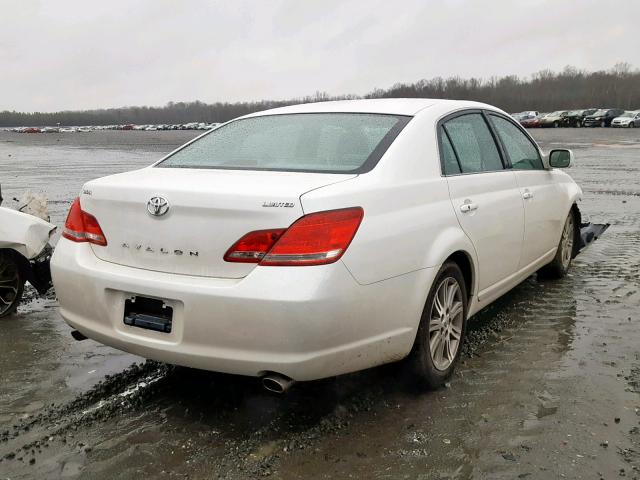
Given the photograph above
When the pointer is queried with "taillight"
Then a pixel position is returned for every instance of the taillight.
(253, 246)
(82, 227)
(315, 239)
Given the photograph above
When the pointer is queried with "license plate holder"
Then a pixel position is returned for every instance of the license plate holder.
(148, 313)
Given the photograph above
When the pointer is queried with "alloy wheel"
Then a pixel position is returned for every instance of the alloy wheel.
(445, 323)
(566, 243)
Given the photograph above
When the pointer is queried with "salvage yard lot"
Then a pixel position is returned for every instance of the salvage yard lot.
(549, 384)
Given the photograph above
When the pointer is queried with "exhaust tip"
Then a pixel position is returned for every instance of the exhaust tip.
(277, 383)
(77, 335)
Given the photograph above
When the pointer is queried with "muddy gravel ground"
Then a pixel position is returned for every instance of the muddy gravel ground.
(548, 386)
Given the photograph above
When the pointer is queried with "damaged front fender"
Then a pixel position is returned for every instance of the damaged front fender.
(27, 238)
(26, 234)
(589, 233)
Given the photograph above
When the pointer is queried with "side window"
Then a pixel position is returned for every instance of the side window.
(473, 144)
(449, 160)
(522, 153)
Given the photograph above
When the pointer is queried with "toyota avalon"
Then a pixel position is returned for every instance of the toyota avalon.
(315, 240)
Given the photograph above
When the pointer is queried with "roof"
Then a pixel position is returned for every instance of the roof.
(393, 106)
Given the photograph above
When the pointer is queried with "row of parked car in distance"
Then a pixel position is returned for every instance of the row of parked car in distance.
(590, 117)
(129, 126)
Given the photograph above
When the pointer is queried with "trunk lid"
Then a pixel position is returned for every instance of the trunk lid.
(208, 211)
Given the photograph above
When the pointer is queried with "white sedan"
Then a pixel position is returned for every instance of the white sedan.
(315, 240)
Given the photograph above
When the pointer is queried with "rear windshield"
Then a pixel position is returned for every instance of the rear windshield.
(313, 142)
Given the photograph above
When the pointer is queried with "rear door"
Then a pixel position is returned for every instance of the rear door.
(484, 194)
(541, 195)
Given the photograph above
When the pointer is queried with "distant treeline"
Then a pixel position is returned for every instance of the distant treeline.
(544, 91)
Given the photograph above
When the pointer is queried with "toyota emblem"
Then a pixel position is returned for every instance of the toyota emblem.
(157, 206)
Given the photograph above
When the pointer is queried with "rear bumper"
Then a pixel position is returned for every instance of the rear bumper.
(303, 322)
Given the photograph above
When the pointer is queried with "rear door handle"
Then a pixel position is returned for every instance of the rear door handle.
(527, 195)
(467, 207)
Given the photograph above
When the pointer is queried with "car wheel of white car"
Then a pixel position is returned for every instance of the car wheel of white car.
(11, 284)
(442, 328)
(560, 264)
(631, 125)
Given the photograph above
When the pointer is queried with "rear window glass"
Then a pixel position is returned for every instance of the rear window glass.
(318, 142)
(451, 166)
(473, 144)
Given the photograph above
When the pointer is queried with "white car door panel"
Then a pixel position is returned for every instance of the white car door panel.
(485, 197)
(542, 196)
(543, 214)
(489, 209)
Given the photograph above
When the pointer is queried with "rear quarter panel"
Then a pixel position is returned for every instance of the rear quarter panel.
(409, 223)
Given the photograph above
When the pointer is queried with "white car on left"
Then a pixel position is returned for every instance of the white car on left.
(24, 256)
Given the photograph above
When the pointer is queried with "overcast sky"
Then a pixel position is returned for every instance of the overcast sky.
(79, 54)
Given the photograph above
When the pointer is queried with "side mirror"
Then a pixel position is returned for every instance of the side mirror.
(560, 158)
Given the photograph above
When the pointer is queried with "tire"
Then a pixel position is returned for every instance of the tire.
(578, 124)
(559, 266)
(603, 124)
(433, 370)
(11, 284)
(556, 124)
(631, 125)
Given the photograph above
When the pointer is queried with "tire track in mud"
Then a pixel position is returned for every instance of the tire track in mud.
(150, 386)
(114, 395)
(291, 426)
(515, 321)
